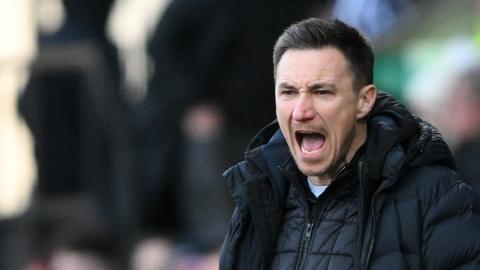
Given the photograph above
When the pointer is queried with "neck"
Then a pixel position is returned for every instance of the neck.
(317, 181)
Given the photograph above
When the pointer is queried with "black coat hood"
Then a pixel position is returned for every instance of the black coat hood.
(397, 139)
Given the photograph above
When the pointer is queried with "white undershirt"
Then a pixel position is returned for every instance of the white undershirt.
(316, 190)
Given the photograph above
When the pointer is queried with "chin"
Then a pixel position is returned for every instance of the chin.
(310, 171)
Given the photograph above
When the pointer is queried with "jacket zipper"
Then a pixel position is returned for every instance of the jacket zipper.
(310, 224)
(312, 218)
(373, 218)
(373, 237)
(305, 242)
(308, 236)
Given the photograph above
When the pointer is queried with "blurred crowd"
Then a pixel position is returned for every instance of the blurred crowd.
(130, 139)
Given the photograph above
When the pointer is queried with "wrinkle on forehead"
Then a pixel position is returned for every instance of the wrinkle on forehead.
(299, 68)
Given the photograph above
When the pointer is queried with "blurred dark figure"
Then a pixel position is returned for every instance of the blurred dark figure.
(79, 246)
(211, 58)
(73, 107)
(158, 253)
(62, 108)
(464, 123)
(56, 225)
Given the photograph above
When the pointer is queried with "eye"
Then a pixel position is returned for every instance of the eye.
(322, 92)
(287, 92)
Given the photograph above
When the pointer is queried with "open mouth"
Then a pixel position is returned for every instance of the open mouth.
(310, 142)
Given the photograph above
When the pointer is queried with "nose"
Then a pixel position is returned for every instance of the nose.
(303, 110)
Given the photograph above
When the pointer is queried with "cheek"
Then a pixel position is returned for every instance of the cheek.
(341, 124)
(283, 111)
(282, 119)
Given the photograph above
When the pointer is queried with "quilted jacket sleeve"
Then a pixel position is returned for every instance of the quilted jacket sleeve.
(451, 223)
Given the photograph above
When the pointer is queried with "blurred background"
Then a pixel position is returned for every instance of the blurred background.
(117, 117)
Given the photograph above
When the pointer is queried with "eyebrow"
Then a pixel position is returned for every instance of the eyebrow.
(285, 85)
(312, 86)
(317, 85)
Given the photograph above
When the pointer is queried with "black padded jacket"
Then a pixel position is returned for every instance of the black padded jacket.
(414, 211)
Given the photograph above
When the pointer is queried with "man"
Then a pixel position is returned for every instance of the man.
(346, 178)
(464, 116)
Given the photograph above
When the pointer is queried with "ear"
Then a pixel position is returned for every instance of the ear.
(366, 99)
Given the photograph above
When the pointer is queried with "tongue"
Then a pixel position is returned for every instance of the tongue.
(312, 142)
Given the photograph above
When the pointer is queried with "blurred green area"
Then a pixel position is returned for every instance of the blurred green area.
(422, 40)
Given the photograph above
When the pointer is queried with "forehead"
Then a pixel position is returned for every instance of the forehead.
(313, 64)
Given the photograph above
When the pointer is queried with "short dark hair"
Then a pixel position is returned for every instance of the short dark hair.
(317, 33)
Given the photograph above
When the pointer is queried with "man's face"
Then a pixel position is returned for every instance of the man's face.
(318, 111)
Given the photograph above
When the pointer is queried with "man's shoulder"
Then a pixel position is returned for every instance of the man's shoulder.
(266, 152)
(430, 182)
(430, 174)
(261, 168)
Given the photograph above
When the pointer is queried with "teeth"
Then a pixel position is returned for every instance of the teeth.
(305, 151)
